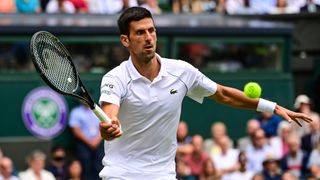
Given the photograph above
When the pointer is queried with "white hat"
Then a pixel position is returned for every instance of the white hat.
(302, 98)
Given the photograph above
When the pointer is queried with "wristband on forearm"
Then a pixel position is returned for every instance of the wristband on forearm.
(266, 106)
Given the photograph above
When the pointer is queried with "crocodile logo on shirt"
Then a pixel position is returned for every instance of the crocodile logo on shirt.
(173, 91)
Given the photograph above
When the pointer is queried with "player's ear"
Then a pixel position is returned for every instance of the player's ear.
(124, 40)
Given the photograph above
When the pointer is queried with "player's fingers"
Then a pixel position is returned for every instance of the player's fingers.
(105, 125)
(297, 121)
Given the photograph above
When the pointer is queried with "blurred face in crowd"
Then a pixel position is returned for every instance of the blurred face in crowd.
(37, 162)
(59, 157)
(75, 169)
(142, 39)
(293, 144)
(252, 126)
(197, 142)
(208, 167)
(288, 176)
(182, 131)
(224, 143)
(6, 167)
(218, 130)
(259, 139)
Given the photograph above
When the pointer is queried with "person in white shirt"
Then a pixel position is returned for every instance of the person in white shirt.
(36, 161)
(258, 151)
(60, 6)
(227, 155)
(143, 98)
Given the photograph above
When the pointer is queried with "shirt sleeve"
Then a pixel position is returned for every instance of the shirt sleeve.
(111, 90)
(199, 86)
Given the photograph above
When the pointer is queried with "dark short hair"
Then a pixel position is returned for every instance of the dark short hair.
(132, 14)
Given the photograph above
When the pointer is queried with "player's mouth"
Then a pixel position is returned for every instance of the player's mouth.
(148, 47)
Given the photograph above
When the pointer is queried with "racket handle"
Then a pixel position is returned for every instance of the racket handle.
(100, 114)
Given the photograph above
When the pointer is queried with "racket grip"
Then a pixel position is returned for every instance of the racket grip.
(100, 114)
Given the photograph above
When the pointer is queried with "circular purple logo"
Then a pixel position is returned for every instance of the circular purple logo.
(44, 113)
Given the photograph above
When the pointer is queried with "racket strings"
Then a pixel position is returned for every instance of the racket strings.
(54, 63)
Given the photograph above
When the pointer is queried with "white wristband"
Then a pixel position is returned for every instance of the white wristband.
(266, 106)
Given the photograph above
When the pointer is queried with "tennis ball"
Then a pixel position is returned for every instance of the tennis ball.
(252, 90)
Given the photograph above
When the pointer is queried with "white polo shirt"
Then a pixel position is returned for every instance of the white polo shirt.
(149, 114)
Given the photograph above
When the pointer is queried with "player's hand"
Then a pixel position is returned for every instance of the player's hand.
(110, 131)
(291, 116)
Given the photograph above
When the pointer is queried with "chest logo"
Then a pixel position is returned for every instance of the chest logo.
(173, 91)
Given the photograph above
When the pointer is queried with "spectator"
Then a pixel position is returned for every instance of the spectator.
(242, 173)
(57, 165)
(111, 6)
(262, 6)
(152, 6)
(221, 7)
(183, 170)
(60, 6)
(183, 139)
(6, 169)
(36, 161)
(308, 141)
(218, 130)
(7, 6)
(282, 7)
(257, 152)
(303, 104)
(239, 7)
(81, 6)
(244, 142)
(30, 6)
(269, 123)
(295, 160)
(310, 7)
(74, 170)
(258, 176)
(271, 169)
(228, 156)
(314, 161)
(288, 176)
(279, 143)
(89, 149)
(181, 6)
(196, 159)
(209, 171)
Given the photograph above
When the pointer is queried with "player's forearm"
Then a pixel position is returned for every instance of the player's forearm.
(234, 97)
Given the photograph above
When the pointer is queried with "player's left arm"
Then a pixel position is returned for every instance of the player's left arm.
(236, 98)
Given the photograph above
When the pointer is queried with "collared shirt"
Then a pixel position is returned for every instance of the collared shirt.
(149, 115)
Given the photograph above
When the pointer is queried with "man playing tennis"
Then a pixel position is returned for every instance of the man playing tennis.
(143, 98)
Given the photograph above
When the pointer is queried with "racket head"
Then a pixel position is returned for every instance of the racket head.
(53, 62)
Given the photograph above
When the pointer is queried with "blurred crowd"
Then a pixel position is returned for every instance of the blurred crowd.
(161, 6)
(272, 149)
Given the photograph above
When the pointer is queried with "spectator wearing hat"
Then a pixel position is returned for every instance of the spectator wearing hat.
(271, 168)
(303, 104)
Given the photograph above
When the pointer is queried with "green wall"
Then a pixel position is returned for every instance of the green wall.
(278, 87)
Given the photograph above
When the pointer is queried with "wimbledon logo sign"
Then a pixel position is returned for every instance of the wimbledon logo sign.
(44, 113)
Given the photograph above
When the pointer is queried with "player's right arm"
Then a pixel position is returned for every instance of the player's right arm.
(110, 131)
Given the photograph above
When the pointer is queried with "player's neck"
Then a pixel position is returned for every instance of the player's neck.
(149, 70)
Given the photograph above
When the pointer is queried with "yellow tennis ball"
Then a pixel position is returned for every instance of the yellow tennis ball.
(252, 90)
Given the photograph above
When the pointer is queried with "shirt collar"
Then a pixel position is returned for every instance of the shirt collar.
(134, 74)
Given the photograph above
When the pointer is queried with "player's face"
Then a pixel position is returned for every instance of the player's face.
(142, 39)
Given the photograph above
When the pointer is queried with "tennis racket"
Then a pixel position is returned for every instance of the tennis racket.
(54, 64)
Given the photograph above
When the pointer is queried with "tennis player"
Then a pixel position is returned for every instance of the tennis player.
(143, 97)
